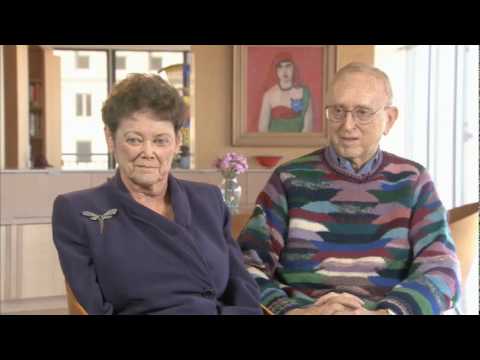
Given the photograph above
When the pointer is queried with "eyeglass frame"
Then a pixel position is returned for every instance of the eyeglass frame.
(371, 115)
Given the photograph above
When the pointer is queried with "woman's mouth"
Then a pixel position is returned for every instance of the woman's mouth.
(146, 167)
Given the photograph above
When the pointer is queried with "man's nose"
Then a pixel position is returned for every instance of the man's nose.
(349, 122)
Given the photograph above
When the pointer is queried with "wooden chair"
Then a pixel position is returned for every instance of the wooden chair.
(74, 307)
(463, 223)
(238, 222)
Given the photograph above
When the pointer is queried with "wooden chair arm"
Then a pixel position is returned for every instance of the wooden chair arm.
(74, 308)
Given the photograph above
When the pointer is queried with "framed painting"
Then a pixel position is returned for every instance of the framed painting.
(279, 94)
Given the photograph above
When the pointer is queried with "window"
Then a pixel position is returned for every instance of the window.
(84, 104)
(155, 62)
(145, 61)
(84, 151)
(82, 61)
(83, 92)
(436, 90)
(120, 62)
(82, 95)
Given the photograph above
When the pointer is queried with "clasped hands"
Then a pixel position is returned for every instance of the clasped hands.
(336, 304)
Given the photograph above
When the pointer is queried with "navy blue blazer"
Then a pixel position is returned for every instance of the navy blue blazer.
(143, 263)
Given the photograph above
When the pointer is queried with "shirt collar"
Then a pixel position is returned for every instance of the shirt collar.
(346, 165)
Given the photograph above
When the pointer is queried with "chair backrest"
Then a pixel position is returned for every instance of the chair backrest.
(463, 223)
(238, 222)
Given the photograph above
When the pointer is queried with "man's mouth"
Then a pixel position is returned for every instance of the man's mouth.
(349, 139)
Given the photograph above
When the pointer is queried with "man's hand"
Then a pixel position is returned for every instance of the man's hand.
(345, 299)
(330, 304)
(362, 311)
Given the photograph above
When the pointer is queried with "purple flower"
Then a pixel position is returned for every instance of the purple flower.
(231, 164)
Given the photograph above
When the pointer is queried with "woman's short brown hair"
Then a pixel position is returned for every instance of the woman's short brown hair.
(144, 92)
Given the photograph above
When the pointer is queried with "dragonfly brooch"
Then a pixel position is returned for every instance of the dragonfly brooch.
(100, 218)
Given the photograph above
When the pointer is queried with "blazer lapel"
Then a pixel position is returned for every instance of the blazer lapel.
(176, 233)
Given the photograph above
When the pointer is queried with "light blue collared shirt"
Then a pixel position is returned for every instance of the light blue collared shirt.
(346, 165)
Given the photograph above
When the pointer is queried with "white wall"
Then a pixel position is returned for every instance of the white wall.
(2, 114)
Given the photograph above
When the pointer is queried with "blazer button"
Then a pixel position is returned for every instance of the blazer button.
(208, 293)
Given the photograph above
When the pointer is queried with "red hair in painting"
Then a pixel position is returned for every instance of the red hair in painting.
(272, 77)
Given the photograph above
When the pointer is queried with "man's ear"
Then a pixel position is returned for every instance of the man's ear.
(392, 116)
(109, 139)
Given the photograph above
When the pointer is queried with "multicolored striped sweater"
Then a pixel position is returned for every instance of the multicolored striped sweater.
(383, 237)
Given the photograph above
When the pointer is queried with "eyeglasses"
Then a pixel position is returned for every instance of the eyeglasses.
(362, 114)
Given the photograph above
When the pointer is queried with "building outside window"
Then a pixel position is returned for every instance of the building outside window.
(84, 151)
(83, 93)
(84, 105)
(82, 61)
(120, 62)
(155, 62)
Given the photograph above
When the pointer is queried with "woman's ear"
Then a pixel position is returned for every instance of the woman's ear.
(109, 139)
(178, 140)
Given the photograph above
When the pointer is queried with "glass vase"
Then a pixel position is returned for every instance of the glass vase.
(231, 192)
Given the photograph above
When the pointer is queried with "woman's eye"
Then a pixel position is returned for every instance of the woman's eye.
(133, 141)
(161, 141)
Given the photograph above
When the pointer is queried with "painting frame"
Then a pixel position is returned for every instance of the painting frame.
(242, 135)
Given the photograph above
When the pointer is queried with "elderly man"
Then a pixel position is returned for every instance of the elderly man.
(352, 229)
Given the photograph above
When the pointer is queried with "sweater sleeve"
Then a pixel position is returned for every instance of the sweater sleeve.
(433, 282)
(262, 241)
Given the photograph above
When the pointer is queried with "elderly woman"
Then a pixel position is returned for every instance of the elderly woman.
(145, 242)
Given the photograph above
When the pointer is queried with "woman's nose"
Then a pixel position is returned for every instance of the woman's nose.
(148, 149)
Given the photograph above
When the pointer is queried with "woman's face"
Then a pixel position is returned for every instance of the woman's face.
(144, 147)
(285, 71)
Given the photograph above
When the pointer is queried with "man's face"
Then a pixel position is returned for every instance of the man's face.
(358, 143)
